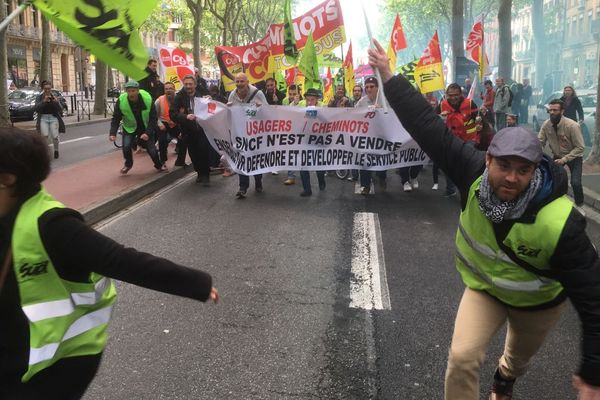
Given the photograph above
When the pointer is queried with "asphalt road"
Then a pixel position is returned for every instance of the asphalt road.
(83, 142)
(284, 328)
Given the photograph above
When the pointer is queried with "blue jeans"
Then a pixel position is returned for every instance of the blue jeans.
(49, 129)
(129, 140)
(305, 176)
(576, 169)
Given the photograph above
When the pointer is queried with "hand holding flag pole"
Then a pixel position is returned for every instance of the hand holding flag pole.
(377, 72)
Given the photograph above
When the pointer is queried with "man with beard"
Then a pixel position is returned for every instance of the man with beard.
(192, 134)
(274, 97)
(564, 137)
(459, 114)
(167, 128)
(152, 83)
(521, 249)
(245, 93)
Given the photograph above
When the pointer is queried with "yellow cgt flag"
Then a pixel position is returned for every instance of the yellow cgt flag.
(107, 28)
(429, 72)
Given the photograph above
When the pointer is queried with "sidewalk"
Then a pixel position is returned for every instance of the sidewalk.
(96, 188)
(70, 120)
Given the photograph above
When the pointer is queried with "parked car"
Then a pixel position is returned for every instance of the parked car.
(588, 128)
(21, 103)
(586, 96)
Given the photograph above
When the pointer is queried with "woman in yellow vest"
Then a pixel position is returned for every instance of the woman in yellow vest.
(521, 248)
(56, 295)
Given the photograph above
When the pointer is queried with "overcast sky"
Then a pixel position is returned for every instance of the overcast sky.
(353, 17)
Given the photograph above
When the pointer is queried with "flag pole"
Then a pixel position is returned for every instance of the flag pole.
(377, 73)
(13, 15)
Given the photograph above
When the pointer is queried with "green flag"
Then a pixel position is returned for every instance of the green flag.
(289, 42)
(309, 65)
(408, 70)
(280, 79)
(105, 28)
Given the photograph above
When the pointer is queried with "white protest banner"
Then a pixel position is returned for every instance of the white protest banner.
(263, 139)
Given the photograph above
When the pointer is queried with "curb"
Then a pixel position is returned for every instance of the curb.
(87, 122)
(102, 210)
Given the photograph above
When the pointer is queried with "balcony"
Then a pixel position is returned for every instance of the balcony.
(22, 31)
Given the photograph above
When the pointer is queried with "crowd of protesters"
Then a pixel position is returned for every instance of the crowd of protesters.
(153, 112)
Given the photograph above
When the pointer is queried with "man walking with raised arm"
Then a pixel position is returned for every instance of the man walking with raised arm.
(521, 248)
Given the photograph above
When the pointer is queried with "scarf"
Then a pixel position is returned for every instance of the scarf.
(497, 210)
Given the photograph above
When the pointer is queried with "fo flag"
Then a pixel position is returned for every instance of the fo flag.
(429, 72)
(107, 28)
(397, 42)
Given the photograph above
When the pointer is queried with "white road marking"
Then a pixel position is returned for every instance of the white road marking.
(73, 140)
(368, 287)
(357, 188)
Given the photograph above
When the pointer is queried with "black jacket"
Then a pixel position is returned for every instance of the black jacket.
(573, 109)
(39, 105)
(76, 250)
(575, 262)
(182, 106)
(152, 84)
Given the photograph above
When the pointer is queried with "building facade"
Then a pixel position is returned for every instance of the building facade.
(572, 32)
(24, 38)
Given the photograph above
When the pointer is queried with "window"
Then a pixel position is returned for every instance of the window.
(17, 65)
(34, 16)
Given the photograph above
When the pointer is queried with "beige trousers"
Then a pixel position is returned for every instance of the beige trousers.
(478, 319)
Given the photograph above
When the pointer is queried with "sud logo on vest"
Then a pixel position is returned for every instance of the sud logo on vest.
(36, 269)
(525, 251)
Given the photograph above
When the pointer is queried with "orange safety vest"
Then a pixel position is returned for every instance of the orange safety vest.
(460, 122)
(164, 107)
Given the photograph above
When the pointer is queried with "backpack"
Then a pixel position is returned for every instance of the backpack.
(510, 95)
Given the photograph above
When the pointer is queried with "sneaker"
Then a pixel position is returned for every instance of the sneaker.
(351, 179)
(181, 164)
(274, 173)
(450, 194)
(163, 168)
(55, 154)
(241, 194)
(227, 173)
(289, 181)
(415, 184)
(305, 194)
(502, 389)
(125, 170)
(365, 190)
(434, 187)
(407, 187)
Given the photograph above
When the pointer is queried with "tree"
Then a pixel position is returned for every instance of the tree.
(4, 114)
(257, 16)
(197, 8)
(100, 94)
(457, 33)
(227, 13)
(46, 56)
(505, 40)
(539, 36)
